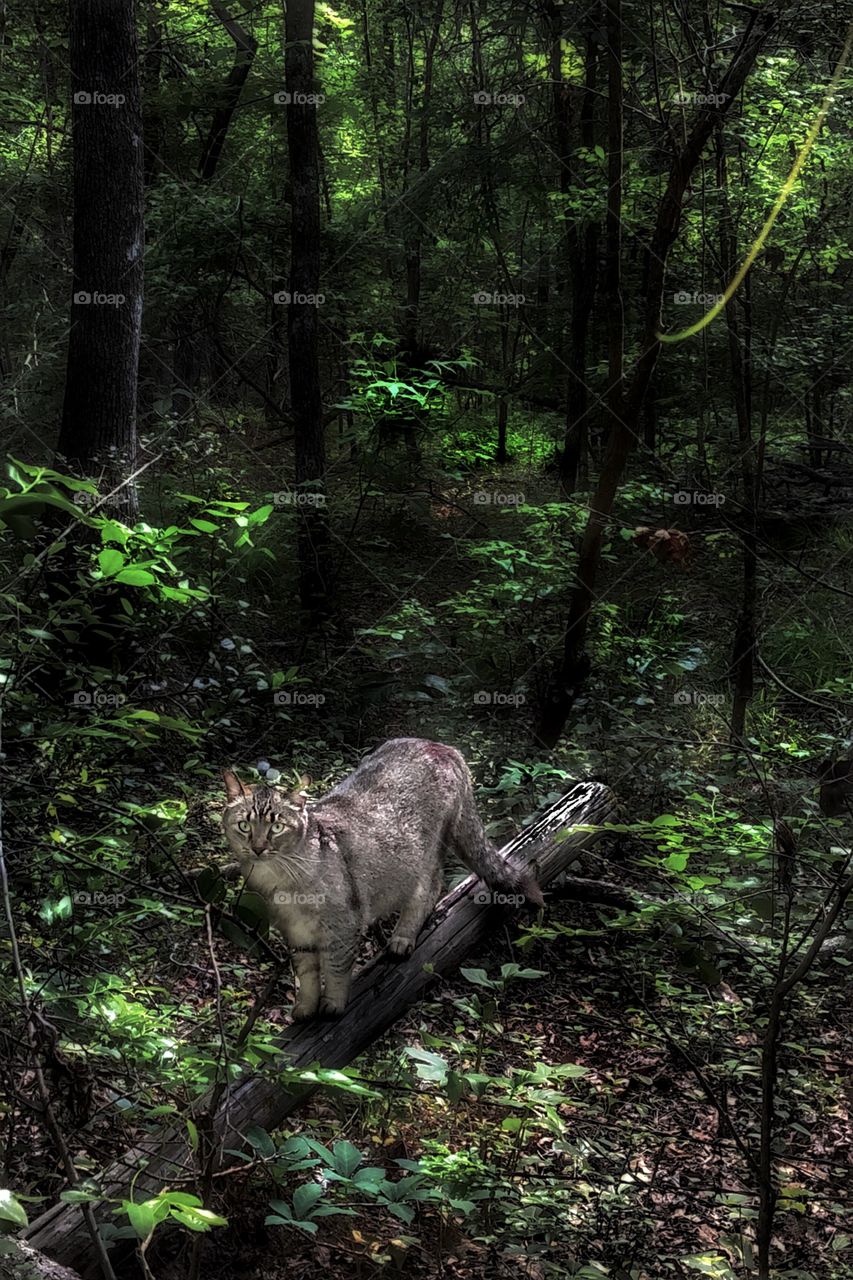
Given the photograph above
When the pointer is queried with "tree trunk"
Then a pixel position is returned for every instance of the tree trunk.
(412, 248)
(575, 665)
(98, 430)
(501, 455)
(574, 668)
(245, 47)
(373, 98)
(583, 273)
(313, 545)
(744, 643)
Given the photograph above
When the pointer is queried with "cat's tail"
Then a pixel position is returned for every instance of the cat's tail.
(468, 837)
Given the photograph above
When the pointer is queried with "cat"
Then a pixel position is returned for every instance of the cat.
(374, 845)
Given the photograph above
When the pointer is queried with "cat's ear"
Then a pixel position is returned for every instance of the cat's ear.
(234, 788)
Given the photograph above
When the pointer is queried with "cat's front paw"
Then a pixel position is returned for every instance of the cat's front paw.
(303, 1011)
(331, 1008)
(400, 947)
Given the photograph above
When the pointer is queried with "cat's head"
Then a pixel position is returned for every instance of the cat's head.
(263, 822)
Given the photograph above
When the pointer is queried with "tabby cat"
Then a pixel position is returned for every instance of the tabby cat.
(373, 846)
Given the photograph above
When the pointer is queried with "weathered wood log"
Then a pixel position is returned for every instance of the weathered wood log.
(20, 1261)
(382, 992)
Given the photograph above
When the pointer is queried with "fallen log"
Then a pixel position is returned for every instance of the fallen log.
(19, 1261)
(382, 992)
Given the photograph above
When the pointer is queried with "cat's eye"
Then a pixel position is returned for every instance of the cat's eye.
(244, 826)
(277, 828)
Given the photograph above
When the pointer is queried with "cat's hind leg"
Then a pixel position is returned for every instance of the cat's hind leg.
(425, 895)
(337, 960)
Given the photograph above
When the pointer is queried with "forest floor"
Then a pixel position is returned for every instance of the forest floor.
(626, 1167)
(636, 1176)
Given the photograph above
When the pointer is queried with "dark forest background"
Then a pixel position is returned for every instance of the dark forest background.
(338, 406)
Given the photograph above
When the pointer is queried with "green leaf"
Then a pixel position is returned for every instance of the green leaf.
(431, 1066)
(189, 1218)
(710, 1264)
(478, 976)
(110, 561)
(261, 515)
(259, 1140)
(77, 1196)
(282, 1209)
(112, 531)
(181, 1198)
(370, 1176)
(305, 1197)
(346, 1158)
(11, 1210)
(198, 1219)
(135, 577)
(141, 1217)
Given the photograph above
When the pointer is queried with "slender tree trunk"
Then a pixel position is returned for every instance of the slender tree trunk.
(412, 248)
(583, 273)
(574, 664)
(98, 430)
(313, 545)
(650, 419)
(373, 97)
(561, 130)
(245, 48)
(575, 668)
(501, 455)
(739, 353)
(787, 981)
